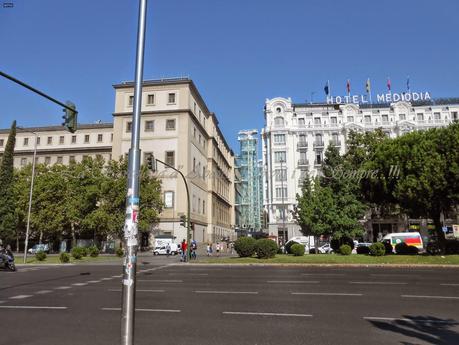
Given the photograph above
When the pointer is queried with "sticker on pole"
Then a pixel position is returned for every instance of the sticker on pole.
(128, 282)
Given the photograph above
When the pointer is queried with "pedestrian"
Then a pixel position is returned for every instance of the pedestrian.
(232, 248)
(218, 249)
(168, 249)
(194, 248)
(184, 247)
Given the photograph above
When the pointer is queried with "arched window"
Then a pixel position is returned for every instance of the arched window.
(279, 121)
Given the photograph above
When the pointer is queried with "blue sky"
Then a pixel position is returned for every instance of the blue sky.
(238, 52)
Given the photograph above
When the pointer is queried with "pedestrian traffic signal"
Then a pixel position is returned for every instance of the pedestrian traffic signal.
(151, 162)
(70, 117)
(183, 220)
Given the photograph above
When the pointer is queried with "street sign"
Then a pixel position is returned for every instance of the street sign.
(445, 229)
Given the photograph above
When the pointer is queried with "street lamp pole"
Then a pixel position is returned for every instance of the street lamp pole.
(132, 196)
(30, 197)
(283, 205)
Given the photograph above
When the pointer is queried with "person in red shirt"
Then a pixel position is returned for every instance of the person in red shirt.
(184, 247)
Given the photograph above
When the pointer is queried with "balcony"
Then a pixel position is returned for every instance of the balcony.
(302, 162)
(302, 145)
(318, 144)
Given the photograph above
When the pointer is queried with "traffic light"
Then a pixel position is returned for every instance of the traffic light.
(183, 220)
(70, 117)
(151, 162)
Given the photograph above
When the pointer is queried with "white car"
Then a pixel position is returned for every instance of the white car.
(39, 248)
(323, 249)
(162, 250)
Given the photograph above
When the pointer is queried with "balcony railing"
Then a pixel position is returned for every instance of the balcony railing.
(318, 144)
(302, 144)
(302, 162)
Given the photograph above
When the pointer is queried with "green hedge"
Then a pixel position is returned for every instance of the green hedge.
(78, 252)
(345, 249)
(93, 251)
(64, 258)
(377, 249)
(265, 248)
(245, 246)
(40, 255)
(297, 249)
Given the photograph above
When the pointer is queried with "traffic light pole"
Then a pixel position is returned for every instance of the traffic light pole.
(188, 232)
(132, 196)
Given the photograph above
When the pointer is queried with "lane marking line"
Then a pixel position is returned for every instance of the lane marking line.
(326, 293)
(392, 275)
(2, 302)
(293, 281)
(42, 292)
(147, 310)
(323, 274)
(380, 283)
(137, 290)
(93, 281)
(432, 297)
(118, 276)
(228, 292)
(264, 314)
(20, 296)
(30, 307)
(62, 287)
(160, 280)
(106, 278)
(449, 284)
(80, 284)
(374, 318)
(189, 274)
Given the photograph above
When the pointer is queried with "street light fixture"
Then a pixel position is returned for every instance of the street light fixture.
(30, 192)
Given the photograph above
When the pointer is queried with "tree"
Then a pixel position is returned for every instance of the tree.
(7, 205)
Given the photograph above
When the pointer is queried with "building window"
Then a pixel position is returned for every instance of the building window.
(73, 139)
(437, 116)
(279, 156)
(151, 99)
(301, 122)
(199, 204)
(194, 164)
(61, 139)
(318, 158)
(199, 139)
(71, 159)
(402, 117)
(302, 138)
(350, 119)
(59, 160)
(317, 121)
(26, 142)
(194, 132)
(420, 116)
(149, 126)
(38, 141)
(281, 174)
(171, 98)
(111, 137)
(47, 160)
(203, 207)
(367, 119)
(385, 118)
(279, 139)
(86, 138)
(279, 121)
(128, 127)
(131, 101)
(170, 125)
(2, 142)
(100, 138)
(318, 141)
(23, 161)
(50, 140)
(170, 158)
(333, 120)
(145, 156)
(281, 192)
(203, 172)
(454, 115)
(168, 199)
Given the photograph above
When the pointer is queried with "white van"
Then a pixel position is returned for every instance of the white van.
(410, 238)
(161, 250)
(306, 241)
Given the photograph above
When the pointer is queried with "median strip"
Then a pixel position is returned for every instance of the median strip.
(264, 314)
(431, 297)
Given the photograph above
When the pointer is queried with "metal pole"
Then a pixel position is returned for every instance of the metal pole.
(30, 198)
(188, 233)
(283, 206)
(132, 197)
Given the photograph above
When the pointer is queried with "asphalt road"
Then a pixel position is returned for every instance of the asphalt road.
(213, 305)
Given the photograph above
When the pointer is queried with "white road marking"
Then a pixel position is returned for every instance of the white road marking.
(431, 297)
(42, 292)
(229, 292)
(137, 290)
(189, 274)
(161, 280)
(80, 284)
(392, 275)
(264, 314)
(150, 310)
(2, 302)
(327, 294)
(29, 307)
(293, 281)
(106, 278)
(20, 296)
(449, 284)
(374, 318)
(62, 287)
(118, 276)
(93, 281)
(323, 274)
(380, 283)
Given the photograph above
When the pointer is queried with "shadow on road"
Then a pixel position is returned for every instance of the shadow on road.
(428, 329)
(44, 280)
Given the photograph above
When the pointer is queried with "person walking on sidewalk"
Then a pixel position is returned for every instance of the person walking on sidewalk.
(184, 247)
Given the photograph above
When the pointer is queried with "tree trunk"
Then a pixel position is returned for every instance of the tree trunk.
(17, 242)
(72, 226)
(41, 237)
(439, 231)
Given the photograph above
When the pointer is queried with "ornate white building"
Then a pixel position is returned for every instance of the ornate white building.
(296, 136)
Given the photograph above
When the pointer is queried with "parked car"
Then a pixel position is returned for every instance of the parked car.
(39, 248)
(161, 250)
(323, 249)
